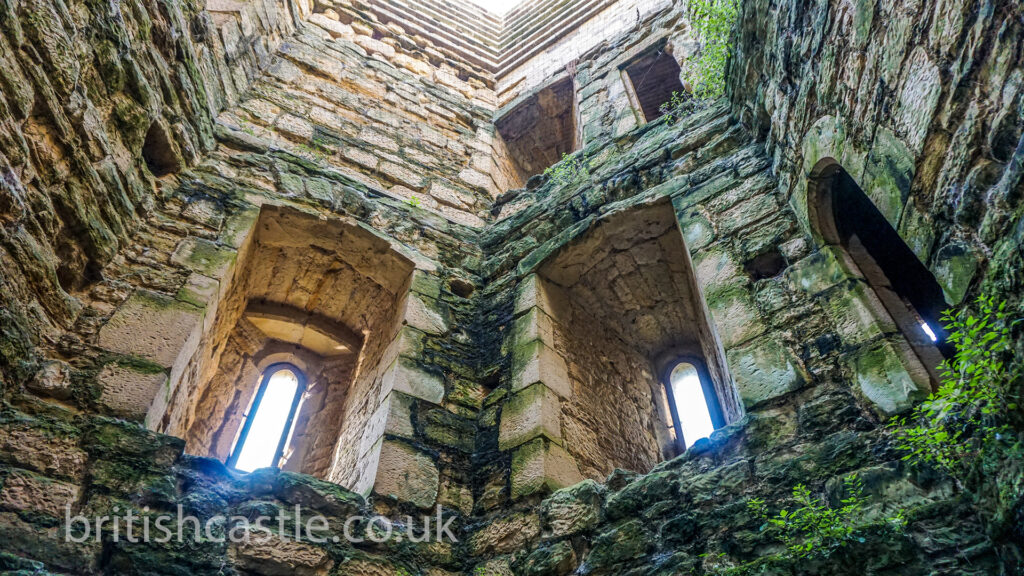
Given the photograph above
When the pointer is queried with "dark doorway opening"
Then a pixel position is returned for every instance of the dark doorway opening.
(906, 288)
(654, 77)
(540, 129)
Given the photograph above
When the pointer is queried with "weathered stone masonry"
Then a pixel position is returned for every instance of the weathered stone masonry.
(190, 193)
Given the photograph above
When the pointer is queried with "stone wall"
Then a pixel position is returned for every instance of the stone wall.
(380, 159)
(96, 100)
(921, 103)
(381, 113)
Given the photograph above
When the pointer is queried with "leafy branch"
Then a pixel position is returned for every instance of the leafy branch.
(713, 22)
(678, 105)
(966, 422)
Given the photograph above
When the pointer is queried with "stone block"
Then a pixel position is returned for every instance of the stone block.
(572, 510)
(819, 271)
(151, 326)
(366, 469)
(53, 380)
(423, 314)
(407, 343)
(238, 227)
(393, 416)
(858, 315)
(505, 534)
(697, 230)
(537, 362)
(199, 290)
(533, 291)
(715, 269)
(890, 375)
(276, 556)
(28, 492)
(333, 27)
(764, 369)
(204, 257)
(532, 413)
(542, 465)
(31, 540)
(128, 392)
(535, 324)
(456, 496)
(407, 474)
(956, 264)
(888, 175)
(405, 376)
(37, 449)
(735, 316)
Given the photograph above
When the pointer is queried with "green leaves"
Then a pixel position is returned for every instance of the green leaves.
(678, 105)
(568, 170)
(712, 22)
(966, 421)
(813, 528)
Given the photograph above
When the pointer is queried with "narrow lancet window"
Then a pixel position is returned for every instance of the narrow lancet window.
(268, 424)
(692, 403)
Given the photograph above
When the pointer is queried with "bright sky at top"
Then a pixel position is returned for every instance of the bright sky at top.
(496, 7)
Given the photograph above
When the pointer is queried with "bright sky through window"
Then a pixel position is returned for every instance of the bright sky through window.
(496, 7)
(268, 422)
(691, 405)
(928, 330)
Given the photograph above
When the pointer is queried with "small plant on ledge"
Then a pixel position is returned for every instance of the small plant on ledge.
(413, 201)
(678, 106)
(567, 171)
(814, 528)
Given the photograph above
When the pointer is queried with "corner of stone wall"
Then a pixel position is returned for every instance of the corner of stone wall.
(530, 422)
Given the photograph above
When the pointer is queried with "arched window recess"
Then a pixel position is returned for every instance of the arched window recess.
(268, 424)
(849, 220)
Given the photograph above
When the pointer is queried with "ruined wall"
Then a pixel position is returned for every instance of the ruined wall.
(541, 39)
(922, 103)
(447, 360)
(381, 114)
(96, 99)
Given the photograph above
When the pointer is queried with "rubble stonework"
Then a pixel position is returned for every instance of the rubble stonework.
(192, 193)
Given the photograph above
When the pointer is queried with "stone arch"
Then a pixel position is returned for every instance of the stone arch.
(291, 285)
(900, 291)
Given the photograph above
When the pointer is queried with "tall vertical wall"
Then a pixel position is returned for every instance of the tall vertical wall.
(87, 88)
(921, 102)
(318, 136)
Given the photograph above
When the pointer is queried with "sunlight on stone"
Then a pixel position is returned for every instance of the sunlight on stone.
(497, 7)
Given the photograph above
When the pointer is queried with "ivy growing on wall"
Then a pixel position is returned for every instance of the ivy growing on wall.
(712, 22)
